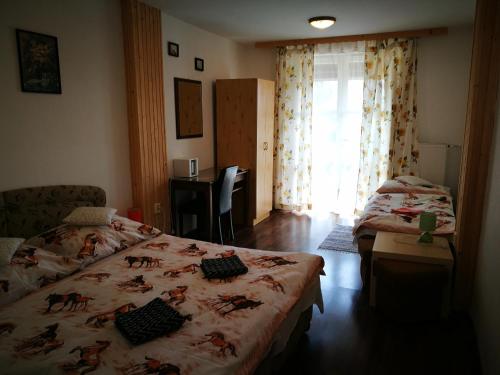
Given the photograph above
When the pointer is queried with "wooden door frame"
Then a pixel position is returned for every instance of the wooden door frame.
(479, 131)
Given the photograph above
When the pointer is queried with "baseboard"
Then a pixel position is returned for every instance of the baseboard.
(261, 218)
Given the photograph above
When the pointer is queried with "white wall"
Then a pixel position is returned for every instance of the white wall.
(81, 136)
(442, 84)
(223, 59)
(442, 87)
(486, 302)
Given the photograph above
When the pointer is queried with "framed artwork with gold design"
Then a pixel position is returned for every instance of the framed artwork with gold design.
(38, 62)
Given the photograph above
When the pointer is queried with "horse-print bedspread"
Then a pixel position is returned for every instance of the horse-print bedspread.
(400, 212)
(68, 326)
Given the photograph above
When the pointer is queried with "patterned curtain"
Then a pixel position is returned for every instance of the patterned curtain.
(293, 128)
(389, 144)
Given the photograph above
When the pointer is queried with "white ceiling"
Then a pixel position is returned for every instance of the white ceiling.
(259, 20)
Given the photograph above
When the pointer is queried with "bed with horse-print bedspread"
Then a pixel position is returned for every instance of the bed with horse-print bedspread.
(396, 207)
(68, 326)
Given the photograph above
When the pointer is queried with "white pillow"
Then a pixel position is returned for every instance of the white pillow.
(414, 180)
(8, 246)
(90, 216)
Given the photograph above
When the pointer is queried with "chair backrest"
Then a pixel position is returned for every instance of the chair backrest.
(224, 189)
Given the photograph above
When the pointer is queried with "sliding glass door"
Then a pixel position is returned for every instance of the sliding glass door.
(337, 111)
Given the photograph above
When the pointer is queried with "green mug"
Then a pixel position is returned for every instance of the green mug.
(427, 225)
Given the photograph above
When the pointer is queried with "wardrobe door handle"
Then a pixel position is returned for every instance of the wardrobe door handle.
(266, 146)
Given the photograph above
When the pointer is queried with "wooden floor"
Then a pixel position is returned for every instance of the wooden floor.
(350, 338)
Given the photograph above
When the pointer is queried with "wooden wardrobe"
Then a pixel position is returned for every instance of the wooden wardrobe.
(244, 137)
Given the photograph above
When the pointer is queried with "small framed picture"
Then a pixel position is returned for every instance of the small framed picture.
(199, 64)
(173, 49)
(38, 62)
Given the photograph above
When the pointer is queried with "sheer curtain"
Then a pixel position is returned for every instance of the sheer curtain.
(389, 135)
(293, 128)
(337, 116)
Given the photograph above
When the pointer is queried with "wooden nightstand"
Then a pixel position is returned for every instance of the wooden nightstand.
(406, 248)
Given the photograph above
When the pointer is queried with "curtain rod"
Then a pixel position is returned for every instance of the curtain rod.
(435, 31)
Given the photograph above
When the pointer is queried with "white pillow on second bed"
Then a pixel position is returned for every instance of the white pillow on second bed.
(414, 180)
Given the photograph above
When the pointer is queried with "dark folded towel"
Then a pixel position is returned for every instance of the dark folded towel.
(220, 268)
(148, 322)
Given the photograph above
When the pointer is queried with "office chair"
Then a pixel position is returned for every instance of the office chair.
(222, 196)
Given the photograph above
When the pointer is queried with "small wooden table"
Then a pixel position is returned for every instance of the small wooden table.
(203, 184)
(405, 247)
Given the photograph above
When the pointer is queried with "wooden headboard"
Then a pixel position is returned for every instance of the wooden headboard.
(30, 211)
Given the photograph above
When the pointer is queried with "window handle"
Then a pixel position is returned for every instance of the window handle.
(266, 146)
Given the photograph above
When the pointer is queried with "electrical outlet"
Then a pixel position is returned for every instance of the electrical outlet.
(157, 208)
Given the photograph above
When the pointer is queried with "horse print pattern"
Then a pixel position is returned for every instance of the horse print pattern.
(176, 296)
(90, 358)
(76, 300)
(400, 212)
(146, 229)
(89, 245)
(32, 268)
(49, 279)
(216, 338)
(25, 256)
(226, 254)
(193, 250)
(137, 284)
(123, 246)
(270, 261)
(107, 316)
(193, 268)
(117, 225)
(63, 250)
(44, 342)
(100, 276)
(68, 326)
(150, 261)
(226, 304)
(157, 245)
(269, 280)
(151, 366)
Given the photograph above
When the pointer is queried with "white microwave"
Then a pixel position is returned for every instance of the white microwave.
(186, 167)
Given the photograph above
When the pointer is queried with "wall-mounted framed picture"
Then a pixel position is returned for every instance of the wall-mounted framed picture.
(199, 64)
(38, 62)
(173, 49)
(188, 108)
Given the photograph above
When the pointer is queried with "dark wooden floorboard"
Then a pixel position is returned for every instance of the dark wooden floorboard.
(351, 338)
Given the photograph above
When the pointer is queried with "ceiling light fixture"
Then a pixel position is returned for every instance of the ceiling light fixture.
(322, 22)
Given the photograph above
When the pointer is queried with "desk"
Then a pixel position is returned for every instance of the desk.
(203, 184)
(406, 248)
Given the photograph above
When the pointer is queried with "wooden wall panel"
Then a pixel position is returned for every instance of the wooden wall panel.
(479, 128)
(145, 103)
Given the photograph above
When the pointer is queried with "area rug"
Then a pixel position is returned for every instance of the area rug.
(339, 239)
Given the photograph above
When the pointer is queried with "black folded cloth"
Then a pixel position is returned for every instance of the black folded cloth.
(148, 322)
(220, 268)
